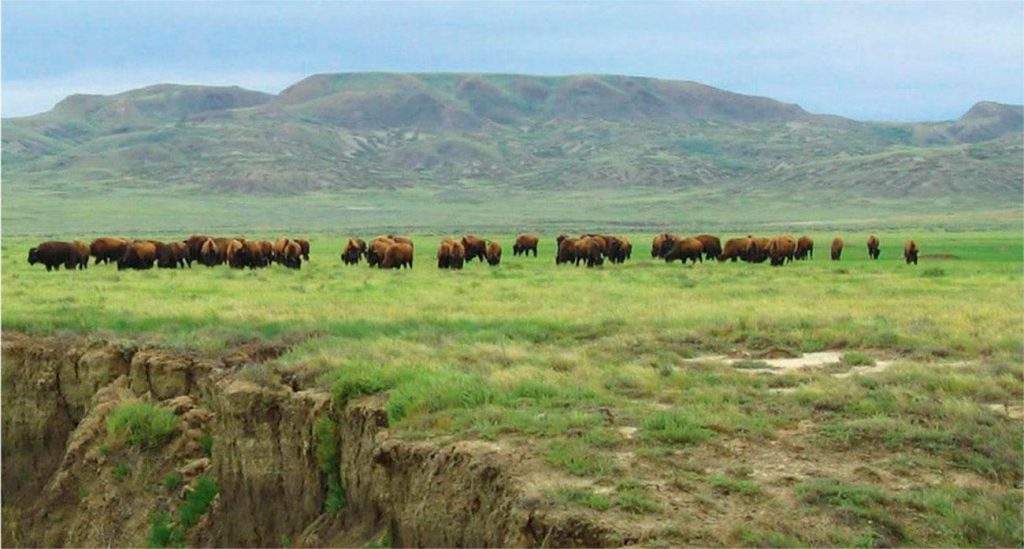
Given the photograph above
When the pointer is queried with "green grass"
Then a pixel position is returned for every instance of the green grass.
(172, 481)
(197, 501)
(857, 358)
(584, 497)
(142, 424)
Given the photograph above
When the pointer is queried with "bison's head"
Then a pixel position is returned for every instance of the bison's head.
(33, 256)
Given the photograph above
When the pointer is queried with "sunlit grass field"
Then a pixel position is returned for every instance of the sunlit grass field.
(605, 377)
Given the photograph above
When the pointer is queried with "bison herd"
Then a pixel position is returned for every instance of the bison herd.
(235, 252)
(396, 252)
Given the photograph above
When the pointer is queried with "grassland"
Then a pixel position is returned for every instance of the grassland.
(608, 381)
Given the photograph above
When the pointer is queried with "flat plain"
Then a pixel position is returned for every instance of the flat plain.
(642, 389)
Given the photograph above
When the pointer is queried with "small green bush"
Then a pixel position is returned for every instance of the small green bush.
(162, 533)
(172, 481)
(121, 471)
(324, 434)
(729, 485)
(206, 443)
(676, 427)
(197, 502)
(578, 458)
(857, 358)
(142, 424)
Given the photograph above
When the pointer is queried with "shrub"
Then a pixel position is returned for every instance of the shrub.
(121, 471)
(206, 443)
(172, 481)
(857, 358)
(162, 533)
(142, 424)
(329, 462)
(197, 502)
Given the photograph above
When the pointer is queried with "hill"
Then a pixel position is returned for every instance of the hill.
(467, 138)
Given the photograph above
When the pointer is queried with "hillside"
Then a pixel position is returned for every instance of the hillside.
(462, 136)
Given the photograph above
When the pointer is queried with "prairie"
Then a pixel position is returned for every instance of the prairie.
(644, 388)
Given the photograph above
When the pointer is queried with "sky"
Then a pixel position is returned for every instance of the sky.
(905, 61)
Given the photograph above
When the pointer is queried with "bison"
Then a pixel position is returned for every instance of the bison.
(195, 246)
(910, 252)
(735, 248)
(304, 247)
(588, 250)
(165, 256)
(53, 254)
(757, 252)
(444, 253)
(107, 249)
(804, 248)
(493, 253)
(209, 253)
(662, 244)
(140, 254)
(566, 250)
(236, 255)
(873, 249)
(781, 249)
(837, 248)
(376, 249)
(683, 249)
(712, 245)
(79, 255)
(475, 247)
(397, 256)
(525, 243)
(458, 255)
(352, 251)
(291, 255)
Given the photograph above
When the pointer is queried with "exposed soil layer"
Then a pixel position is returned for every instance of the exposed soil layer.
(66, 483)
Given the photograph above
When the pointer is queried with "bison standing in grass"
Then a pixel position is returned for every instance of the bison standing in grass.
(353, 250)
(475, 247)
(375, 251)
(493, 253)
(873, 247)
(397, 256)
(712, 245)
(140, 254)
(53, 254)
(735, 248)
(525, 243)
(781, 249)
(837, 248)
(566, 250)
(804, 248)
(684, 249)
(107, 249)
(910, 252)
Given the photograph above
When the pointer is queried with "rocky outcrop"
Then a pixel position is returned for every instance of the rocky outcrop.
(277, 452)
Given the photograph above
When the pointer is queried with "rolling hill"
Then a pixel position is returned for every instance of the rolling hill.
(462, 136)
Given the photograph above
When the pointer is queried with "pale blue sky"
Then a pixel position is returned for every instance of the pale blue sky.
(879, 60)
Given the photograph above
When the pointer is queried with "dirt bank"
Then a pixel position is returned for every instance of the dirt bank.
(290, 466)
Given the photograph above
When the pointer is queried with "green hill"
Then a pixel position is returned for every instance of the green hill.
(470, 138)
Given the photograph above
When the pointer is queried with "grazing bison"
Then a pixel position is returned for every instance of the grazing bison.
(140, 254)
(735, 248)
(209, 253)
(195, 246)
(683, 249)
(781, 249)
(397, 256)
(304, 246)
(662, 244)
(588, 250)
(712, 245)
(236, 255)
(837, 248)
(566, 250)
(475, 247)
(493, 253)
(291, 255)
(804, 248)
(757, 252)
(107, 249)
(873, 250)
(525, 243)
(54, 254)
(79, 255)
(375, 252)
(910, 252)
(352, 251)
(444, 254)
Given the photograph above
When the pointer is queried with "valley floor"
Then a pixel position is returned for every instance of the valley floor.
(642, 402)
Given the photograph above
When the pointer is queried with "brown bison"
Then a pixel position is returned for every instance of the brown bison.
(53, 254)
(566, 250)
(209, 254)
(804, 248)
(236, 255)
(376, 249)
(662, 244)
(493, 253)
(475, 247)
(181, 252)
(683, 249)
(397, 256)
(615, 248)
(353, 250)
(107, 249)
(254, 254)
(757, 252)
(165, 256)
(304, 247)
(589, 251)
(291, 255)
(267, 249)
(140, 254)
(195, 246)
(735, 248)
(80, 255)
(873, 249)
(781, 249)
(444, 254)
(910, 252)
(837, 248)
(525, 243)
(712, 245)
(458, 257)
